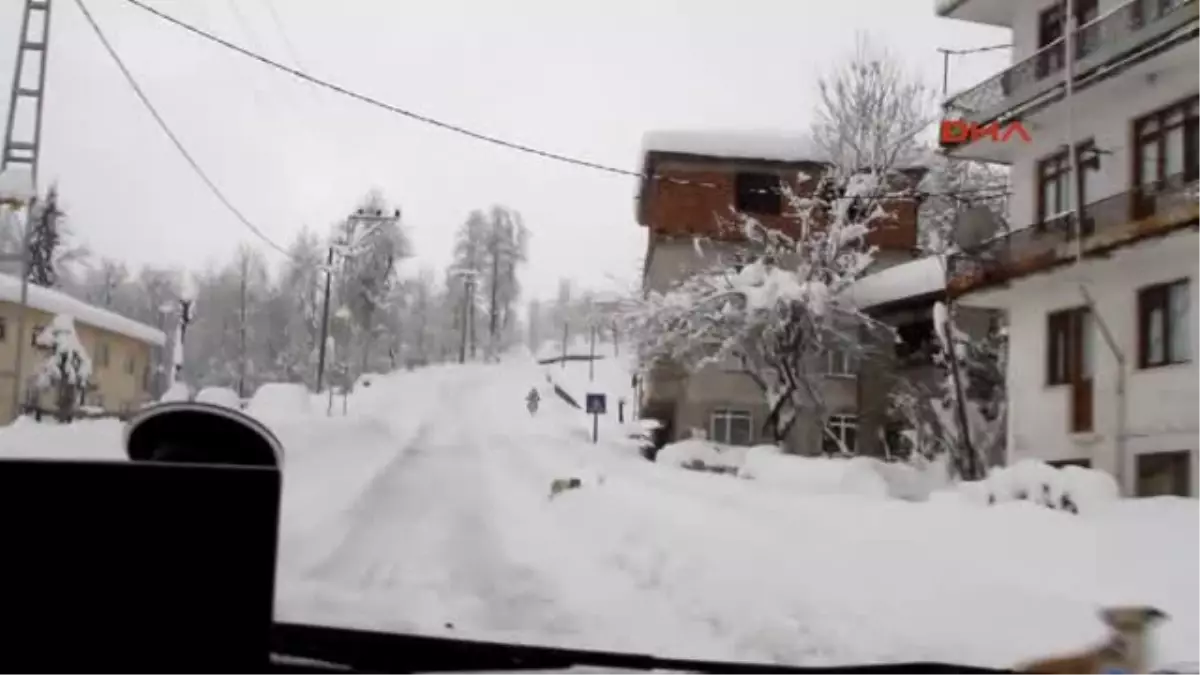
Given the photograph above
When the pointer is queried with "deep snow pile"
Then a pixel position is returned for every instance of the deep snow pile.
(223, 396)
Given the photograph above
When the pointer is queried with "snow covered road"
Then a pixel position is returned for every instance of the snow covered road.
(451, 536)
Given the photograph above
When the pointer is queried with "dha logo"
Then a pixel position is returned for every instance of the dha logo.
(957, 132)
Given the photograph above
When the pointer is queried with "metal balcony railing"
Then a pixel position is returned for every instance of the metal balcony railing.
(1106, 223)
(1120, 34)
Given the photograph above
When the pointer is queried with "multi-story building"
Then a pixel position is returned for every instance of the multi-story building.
(699, 180)
(121, 349)
(1101, 305)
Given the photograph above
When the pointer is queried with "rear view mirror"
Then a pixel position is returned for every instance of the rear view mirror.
(187, 432)
(163, 563)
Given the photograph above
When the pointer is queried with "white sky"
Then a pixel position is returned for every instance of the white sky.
(584, 78)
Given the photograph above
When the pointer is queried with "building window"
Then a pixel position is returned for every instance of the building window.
(3, 329)
(1166, 151)
(1052, 29)
(841, 432)
(840, 363)
(916, 341)
(758, 193)
(1163, 335)
(1054, 180)
(1068, 346)
(732, 427)
(101, 354)
(130, 365)
(1164, 473)
(37, 331)
(146, 377)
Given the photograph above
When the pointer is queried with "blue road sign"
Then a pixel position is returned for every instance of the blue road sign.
(596, 404)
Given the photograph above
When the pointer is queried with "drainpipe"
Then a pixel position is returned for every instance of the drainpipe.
(1069, 42)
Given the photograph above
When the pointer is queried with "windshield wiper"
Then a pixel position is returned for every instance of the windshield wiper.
(327, 649)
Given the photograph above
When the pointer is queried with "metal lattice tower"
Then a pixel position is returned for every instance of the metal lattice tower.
(28, 90)
(28, 87)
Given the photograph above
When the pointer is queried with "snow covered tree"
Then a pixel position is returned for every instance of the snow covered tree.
(782, 305)
(507, 250)
(470, 265)
(296, 310)
(372, 244)
(871, 111)
(67, 369)
(962, 413)
(45, 239)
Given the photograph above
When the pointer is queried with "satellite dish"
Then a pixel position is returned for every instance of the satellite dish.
(975, 226)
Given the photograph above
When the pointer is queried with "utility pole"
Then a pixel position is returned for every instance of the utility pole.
(359, 216)
(592, 357)
(33, 42)
(324, 320)
(468, 315)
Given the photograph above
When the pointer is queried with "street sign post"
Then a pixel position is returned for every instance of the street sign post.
(596, 405)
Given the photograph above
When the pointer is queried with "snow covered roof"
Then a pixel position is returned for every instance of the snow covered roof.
(772, 146)
(912, 279)
(16, 184)
(56, 302)
(762, 145)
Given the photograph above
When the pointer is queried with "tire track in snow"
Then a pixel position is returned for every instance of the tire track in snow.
(420, 549)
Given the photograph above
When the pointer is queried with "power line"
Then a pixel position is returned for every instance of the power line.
(162, 124)
(426, 119)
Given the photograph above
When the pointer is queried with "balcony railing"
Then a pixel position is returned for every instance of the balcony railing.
(1106, 224)
(1119, 34)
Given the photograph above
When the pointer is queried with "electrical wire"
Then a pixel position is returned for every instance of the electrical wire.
(432, 121)
(166, 129)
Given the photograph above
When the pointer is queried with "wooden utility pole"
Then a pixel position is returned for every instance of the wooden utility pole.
(324, 320)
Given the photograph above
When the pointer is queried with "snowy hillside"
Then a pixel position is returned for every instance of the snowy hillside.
(427, 508)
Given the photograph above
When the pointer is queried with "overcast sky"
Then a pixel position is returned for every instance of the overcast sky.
(579, 77)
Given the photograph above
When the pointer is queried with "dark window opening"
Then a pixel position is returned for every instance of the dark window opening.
(1068, 346)
(916, 341)
(1164, 473)
(1163, 335)
(1060, 463)
(758, 193)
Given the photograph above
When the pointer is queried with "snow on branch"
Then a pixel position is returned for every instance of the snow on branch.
(781, 305)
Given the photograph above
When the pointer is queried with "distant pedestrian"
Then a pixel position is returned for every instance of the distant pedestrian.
(532, 399)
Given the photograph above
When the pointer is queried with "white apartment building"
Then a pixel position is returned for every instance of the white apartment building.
(1102, 327)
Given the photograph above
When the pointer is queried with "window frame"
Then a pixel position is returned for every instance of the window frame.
(751, 190)
(848, 362)
(727, 416)
(37, 330)
(103, 354)
(837, 425)
(1056, 168)
(1153, 129)
(1158, 296)
(1144, 465)
(1070, 323)
(3, 329)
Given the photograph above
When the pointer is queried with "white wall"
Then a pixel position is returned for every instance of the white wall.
(1162, 402)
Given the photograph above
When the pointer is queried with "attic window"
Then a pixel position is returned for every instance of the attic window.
(758, 193)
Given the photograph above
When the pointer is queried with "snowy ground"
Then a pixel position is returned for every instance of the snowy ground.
(427, 509)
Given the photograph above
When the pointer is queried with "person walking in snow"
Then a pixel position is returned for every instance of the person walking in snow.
(531, 400)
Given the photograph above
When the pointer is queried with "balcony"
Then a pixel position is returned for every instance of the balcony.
(1129, 33)
(1107, 224)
